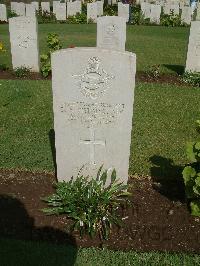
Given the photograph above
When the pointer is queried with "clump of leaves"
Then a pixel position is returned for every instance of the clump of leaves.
(46, 17)
(89, 203)
(192, 78)
(3, 67)
(53, 43)
(191, 175)
(153, 71)
(2, 48)
(171, 20)
(22, 72)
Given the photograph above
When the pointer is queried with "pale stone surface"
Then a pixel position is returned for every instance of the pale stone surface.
(54, 6)
(111, 33)
(123, 11)
(146, 9)
(60, 11)
(18, 8)
(3, 12)
(193, 53)
(155, 13)
(93, 106)
(36, 4)
(73, 8)
(99, 8)
(186, 15)
(169, 9)
(198, 13)
(92, 12)
(30, 10)
(45, 7)
(24, 43)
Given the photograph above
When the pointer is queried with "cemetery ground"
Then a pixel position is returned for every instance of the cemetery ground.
(164, 120)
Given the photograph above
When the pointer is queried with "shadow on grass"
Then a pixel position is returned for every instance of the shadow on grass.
(23, 244)
(167, 178)
(179, 69)
(53, 148)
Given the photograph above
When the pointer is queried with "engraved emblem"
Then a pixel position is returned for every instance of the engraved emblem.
(94, 82)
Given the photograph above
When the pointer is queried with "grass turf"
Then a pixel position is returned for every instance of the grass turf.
(164, 120)
(24, 253)
(152, 44)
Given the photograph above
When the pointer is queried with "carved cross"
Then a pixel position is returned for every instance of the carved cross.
(92, 142)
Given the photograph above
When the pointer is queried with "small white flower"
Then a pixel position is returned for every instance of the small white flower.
(104, 218)
(81, 223)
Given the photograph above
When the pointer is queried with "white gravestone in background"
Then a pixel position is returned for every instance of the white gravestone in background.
(3, 12)
(36, 4)
(45, 7)
(93, 106)
(168, 9)
(92, 12)
(146, 9)
(99, 8)
(73, 8)
(193, 53)
(54, 6)
(123, 11)
(155, 13)
(18, 8)
(60, 11)
(186, 15)
(24, 43)
(30, 10)
(111, 33)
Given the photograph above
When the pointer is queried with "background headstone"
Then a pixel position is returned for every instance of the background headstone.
(73, 8)
(123, 11)
(111, 33)
(155, 13)
(45, 7)
(3, 12)
(24, 42)
(146, 9)
(30, 10)
(186, 15)
(92, 12)
(36, 4)
(99, 8)
(193, 53)
(93, 98)
(18, 8)
(60, 11)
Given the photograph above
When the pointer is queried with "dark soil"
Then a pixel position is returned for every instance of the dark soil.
(158, 218)
(140, 76)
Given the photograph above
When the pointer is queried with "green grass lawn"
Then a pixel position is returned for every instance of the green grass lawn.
(152, 44)
(164, 120)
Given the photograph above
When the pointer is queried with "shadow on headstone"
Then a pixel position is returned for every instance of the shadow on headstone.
(167, 178)
(21, 243)
(53, 148)
(179, 69)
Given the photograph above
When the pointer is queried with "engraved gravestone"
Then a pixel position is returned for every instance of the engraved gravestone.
(146, 9)
(36, 4)
(93, 106)
(92, 12)
(45, 7)
(73, 8)
(30, 10)
(171, 9)
(186, 15)
(193, 53)
(3, 12)
(123, 11)
(155, 13)
(99, 8)
(18, 8)
(24, 43)
(60, 11)
(111, 33)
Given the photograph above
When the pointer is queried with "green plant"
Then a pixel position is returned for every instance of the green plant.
(137, 17)
(89, 202)
(11, 13)
(192, 78)
(171, 20)
(78, 19)
(110, 10)
(22, 72)
(3, 67)
(191, 175)
(153, 71)
(46, 17)
(53, 43)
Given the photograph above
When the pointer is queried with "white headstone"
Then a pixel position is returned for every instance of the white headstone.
(18, 8)
(186, 15)
(45, 7)
(146, 9)
(93, 106)
(30, 10)
(155, 13)
(198, 13)
(3, 12)
(24, 42)
(111, 33)
(60, 11)
(123, 11)
(168, 9)
(92, 12)
(99, 8)
(54, 6)
(193, 53)
(36, 4)
(73, 8)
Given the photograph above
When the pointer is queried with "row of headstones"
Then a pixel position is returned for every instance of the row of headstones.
(153, 12)
(181, 3)
(61, 10)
